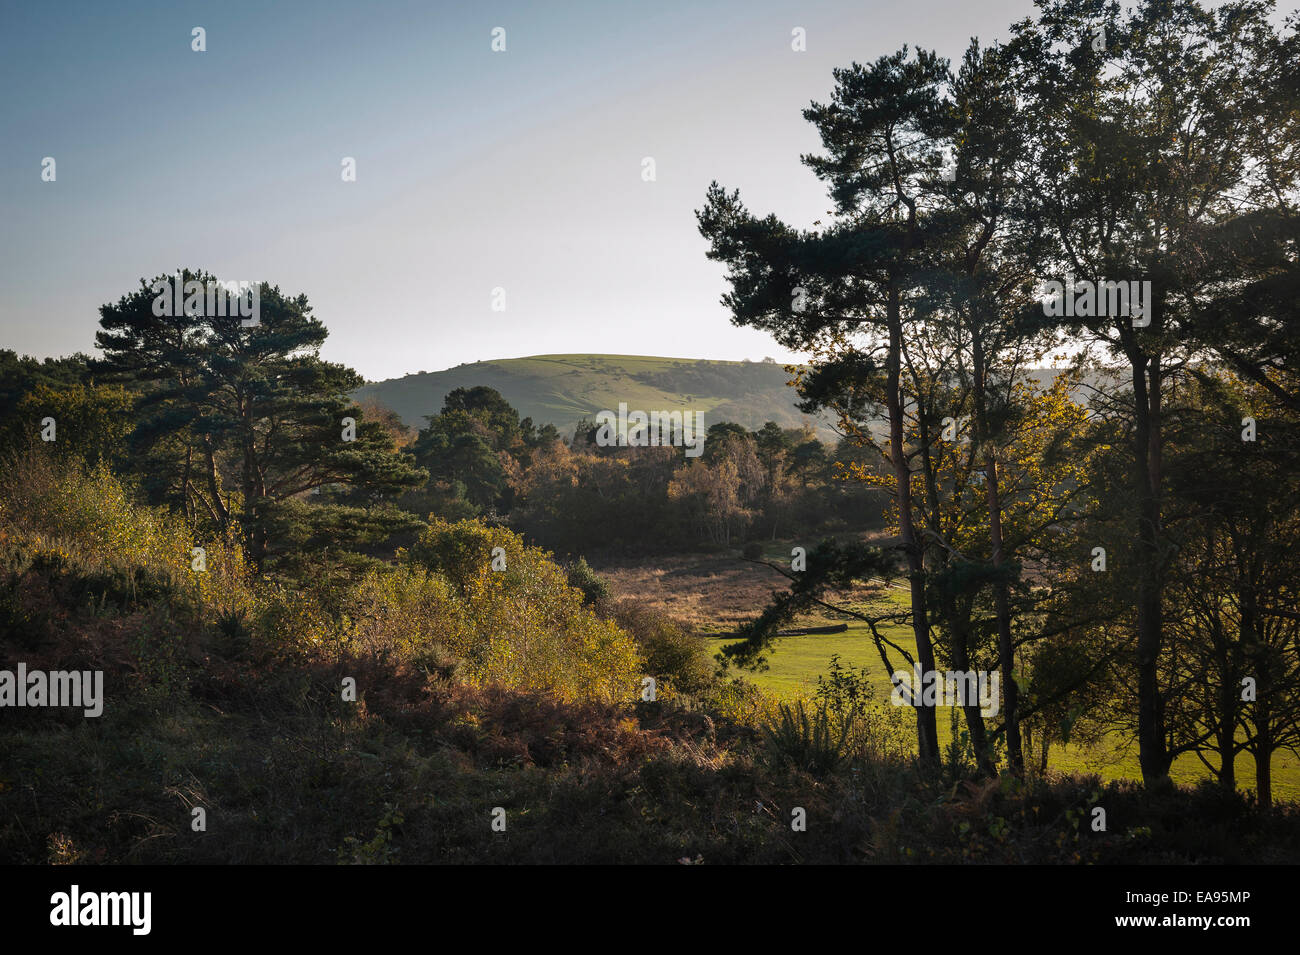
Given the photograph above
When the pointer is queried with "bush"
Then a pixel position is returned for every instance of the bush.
(873, 728)
(594, 587)
(674, 657)
(404, 615)
(92, 422)
(516, 622)
(808, 742)
(85, 521)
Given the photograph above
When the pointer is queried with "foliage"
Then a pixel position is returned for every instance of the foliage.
(847, 696)
(675, 657)
(523, 625)
(86, 516)
(251, 409)
(805, 739)
(594, 587)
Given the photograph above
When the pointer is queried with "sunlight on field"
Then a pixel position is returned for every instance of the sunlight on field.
(795, 663)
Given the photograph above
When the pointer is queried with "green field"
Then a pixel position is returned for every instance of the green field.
(795, 663)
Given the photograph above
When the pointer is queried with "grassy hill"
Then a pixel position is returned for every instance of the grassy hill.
(562, 389)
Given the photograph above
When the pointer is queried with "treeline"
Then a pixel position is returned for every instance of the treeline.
(580, 498)
(1129, 565)
(260, 441)
(242, 511)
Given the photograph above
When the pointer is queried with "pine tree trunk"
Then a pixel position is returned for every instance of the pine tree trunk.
(1152, 755)
(927, 730)
(1264, 776)
(1001, 596)
(1002, 607)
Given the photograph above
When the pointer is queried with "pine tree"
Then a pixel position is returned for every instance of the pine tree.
(253, 419)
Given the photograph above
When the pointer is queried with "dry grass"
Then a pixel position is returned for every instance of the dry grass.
(708, 593)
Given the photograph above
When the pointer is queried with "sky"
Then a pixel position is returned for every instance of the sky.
(476, 170)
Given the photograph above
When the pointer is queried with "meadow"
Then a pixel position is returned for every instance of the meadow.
(713, 593)
(564, 389)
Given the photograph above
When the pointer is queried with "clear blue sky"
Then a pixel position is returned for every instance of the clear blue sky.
(475, 169)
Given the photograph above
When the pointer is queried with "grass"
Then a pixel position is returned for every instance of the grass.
(798, 661)
(561, 389)
(287, 775)
(715, 594)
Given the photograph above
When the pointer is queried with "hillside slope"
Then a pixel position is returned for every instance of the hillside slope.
(562, 389)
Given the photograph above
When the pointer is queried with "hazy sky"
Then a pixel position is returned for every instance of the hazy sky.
(475, 170)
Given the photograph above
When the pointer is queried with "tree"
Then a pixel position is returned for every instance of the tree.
(774, 446)
(259, 417)
(808, 459)
(475, 443)
(721, 491)
(19, 378)
(1236, 581)
(1142, 146)
(90, 423)
(984, 251)
(847, 291)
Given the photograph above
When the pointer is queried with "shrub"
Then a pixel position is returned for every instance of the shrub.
(808, 742)
(236, 637)
(594, 587)
(676, 658)
(443, 606)
(403, 615)
(848, 698)
(92, 421)
(523, 626)
(84, 520)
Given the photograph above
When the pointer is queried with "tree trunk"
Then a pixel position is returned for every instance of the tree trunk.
(927, 730)
(221, 507)
(956, 617)
(1152, 754)
(1264, 775)
(1002, 607)
(1226, 718)
(186, 502)
(1262, 707)
(971, 709)
(255, 532)
(1263, 751)
(1001, 595)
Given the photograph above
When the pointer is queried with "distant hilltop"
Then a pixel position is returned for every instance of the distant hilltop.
(563, 389)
